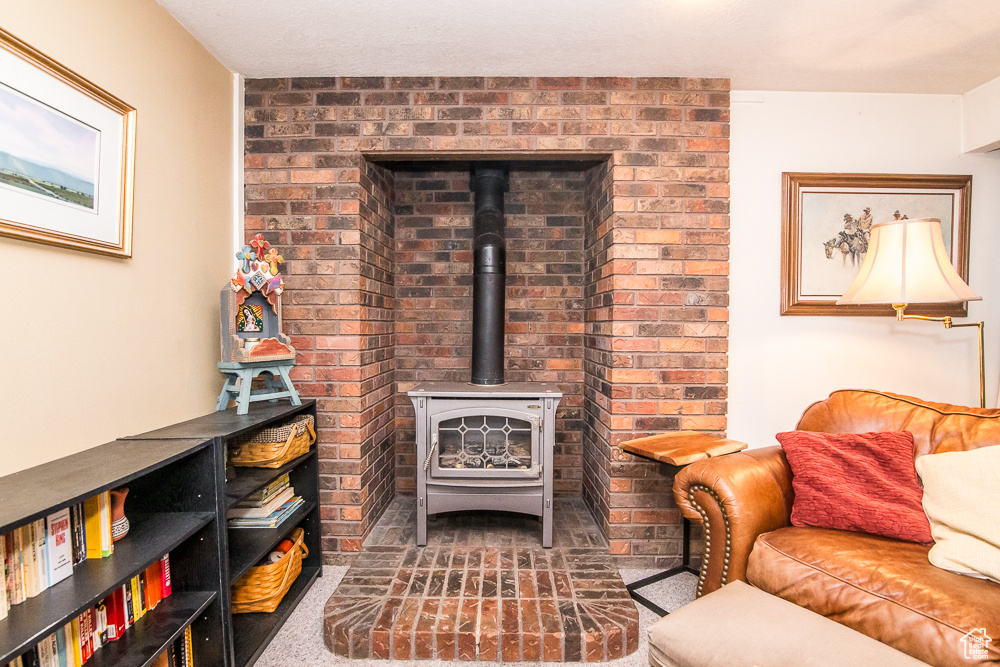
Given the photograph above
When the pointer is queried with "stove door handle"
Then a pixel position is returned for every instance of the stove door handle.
(430, 453)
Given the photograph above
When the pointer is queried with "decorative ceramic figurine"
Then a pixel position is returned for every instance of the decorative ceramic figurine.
(119, 522)
(252, 342)
(251, 307)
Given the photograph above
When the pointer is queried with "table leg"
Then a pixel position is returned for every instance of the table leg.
(685, 566)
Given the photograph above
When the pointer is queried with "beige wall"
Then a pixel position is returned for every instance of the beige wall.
(98, 348)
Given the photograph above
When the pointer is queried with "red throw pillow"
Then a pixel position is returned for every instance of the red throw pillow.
(856, 481)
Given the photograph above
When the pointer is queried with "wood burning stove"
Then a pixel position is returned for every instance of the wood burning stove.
(485, 447)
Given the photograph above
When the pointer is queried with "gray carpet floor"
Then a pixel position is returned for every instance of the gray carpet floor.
(300, 641)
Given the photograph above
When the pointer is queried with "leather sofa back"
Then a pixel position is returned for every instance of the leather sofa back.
(936, 427)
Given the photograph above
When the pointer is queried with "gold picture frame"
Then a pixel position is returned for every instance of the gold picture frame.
(815, 269)
(67, 155)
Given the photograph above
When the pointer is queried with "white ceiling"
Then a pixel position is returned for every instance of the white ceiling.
(899, 46)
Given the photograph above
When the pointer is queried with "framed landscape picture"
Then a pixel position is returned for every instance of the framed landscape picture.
(826, 223)
(66, 155)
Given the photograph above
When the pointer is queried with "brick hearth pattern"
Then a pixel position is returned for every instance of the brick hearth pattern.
(642, 344)
(483, 589)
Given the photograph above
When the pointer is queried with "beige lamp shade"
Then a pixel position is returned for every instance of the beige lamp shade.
(906, 262)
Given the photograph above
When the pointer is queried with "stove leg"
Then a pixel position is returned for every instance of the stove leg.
(421, 523)
(547, 524)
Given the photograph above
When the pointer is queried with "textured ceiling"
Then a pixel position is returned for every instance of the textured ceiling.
(900, 46)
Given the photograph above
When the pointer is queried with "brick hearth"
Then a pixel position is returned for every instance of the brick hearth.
(620, 293)
(483, 589)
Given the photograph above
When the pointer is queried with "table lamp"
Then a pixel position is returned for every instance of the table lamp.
(907, 263)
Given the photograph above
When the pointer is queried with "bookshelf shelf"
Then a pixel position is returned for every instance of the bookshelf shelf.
(150, 537)
(248, 480)
(254, 632)
(247, 546)
(154, 632)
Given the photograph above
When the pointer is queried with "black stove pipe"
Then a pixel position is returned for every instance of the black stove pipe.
(489, 274)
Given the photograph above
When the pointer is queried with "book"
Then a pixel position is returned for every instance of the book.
(107, 544)
(17, 566)
(92, 526)
(188, 648)
(154, 591)
(256, 512)
(101, 612)
(261, 495)
(130, 615)
(86, 650)
(75, 637)
(78, 534)
(273, 520)
(59, 546)
(42, 560)
(30, 561)
(165, 587)
(45, 653)
(4, 596)
(137, 606)
(60, 652)
(114, 605)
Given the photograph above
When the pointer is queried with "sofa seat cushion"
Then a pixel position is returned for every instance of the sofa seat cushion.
(883, 588)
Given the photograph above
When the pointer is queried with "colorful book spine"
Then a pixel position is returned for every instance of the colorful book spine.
(107, 544)
(77, 647)
(115, 609)
(58, 546)
(188, 648)
(153, 587)
(60, 653)
(92, 526)
(165, 586)
(140, 611)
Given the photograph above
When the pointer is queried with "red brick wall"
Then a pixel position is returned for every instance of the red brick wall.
(544, 299)
(654, 275)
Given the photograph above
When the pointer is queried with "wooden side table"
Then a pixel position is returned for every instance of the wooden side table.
(677, 449)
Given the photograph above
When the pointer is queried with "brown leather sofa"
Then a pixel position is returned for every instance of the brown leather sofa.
(881, 587)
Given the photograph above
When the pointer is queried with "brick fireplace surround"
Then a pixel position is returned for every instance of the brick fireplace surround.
(617, 278)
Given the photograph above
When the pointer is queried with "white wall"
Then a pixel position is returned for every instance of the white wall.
(779, 365)
(97, 348)
(981, 118)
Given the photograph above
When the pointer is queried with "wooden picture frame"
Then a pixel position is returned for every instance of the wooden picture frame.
(67, 152)
(816, 271)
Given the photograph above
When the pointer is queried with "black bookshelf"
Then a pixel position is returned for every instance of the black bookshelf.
(177, 502)
(247, 635)
(172, 506)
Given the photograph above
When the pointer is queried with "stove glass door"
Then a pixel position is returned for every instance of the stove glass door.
(484, 442)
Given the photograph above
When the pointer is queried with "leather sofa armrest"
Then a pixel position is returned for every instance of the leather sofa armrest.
(735, 497)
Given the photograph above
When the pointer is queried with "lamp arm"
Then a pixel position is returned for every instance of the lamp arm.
(948, 324)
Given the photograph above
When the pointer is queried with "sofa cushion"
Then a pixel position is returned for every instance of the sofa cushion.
(883, 588)
(962, 501)
(741, 625)
(936, 427)
(856, 481)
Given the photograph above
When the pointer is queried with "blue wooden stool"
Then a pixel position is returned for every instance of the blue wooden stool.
(239, 378)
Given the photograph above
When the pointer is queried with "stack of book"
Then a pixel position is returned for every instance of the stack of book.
(75, 643)
(180, 653)
(266, 508)
(42, 553)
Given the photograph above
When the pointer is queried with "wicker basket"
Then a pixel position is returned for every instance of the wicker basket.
(263, 586)
(274, 447)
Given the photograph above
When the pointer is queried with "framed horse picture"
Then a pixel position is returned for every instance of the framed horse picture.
(826, 224)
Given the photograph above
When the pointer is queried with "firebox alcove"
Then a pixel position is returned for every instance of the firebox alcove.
(617, 223)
